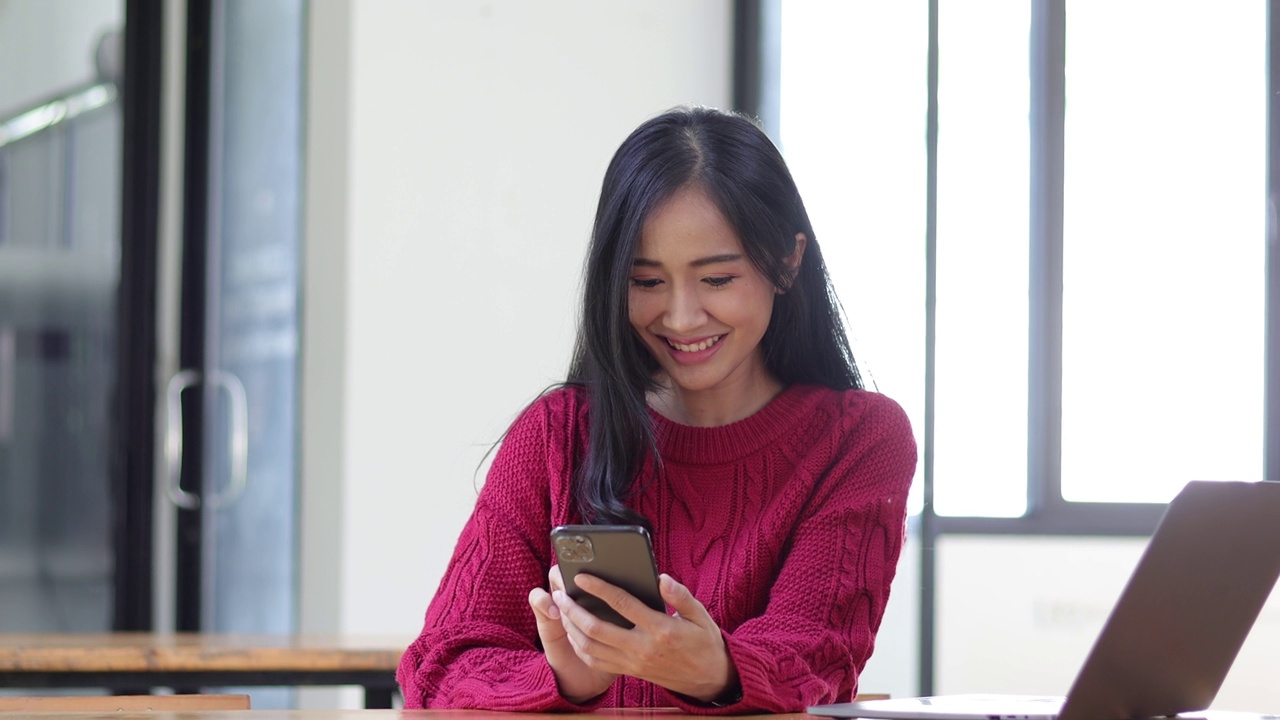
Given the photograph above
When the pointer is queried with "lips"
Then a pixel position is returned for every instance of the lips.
(698, 346)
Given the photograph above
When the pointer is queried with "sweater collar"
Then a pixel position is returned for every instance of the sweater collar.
(713, 445)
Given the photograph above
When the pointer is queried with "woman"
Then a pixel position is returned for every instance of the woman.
(713, 398)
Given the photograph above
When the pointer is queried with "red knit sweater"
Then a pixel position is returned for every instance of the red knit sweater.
(786, 525)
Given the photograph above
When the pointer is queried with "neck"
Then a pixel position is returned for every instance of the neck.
(717, 406)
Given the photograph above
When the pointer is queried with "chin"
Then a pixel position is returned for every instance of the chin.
(684, 383)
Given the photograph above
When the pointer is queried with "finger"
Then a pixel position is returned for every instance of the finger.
(577, 620)
(682, 600)
(572, 617)
(542, 604)
(554, 578)
(627, 605)
(594, 641)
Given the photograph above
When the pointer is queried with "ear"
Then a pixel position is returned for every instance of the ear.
(792, 262)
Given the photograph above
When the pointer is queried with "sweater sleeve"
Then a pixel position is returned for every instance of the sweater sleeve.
(479, 645)
(824, 608)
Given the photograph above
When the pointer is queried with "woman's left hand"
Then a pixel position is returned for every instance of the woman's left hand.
(683, 652)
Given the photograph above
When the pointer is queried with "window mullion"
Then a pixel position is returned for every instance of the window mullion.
(1271, 412)
(1047, 117)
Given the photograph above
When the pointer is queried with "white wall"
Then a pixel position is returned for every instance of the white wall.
(455, 153)
(480, 133)
(1018, 615)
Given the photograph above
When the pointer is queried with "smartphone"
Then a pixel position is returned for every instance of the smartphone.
(618, 554)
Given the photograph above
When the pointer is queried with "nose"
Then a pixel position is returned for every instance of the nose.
(685, 312)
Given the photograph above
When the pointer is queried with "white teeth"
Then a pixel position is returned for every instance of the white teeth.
(695, 348)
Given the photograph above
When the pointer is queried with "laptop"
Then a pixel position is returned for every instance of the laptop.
(1173, 634)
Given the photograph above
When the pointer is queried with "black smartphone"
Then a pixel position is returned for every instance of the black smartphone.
(621, 555)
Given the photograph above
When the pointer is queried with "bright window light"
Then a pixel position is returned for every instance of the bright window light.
(1164, 252)
(980, 447)
(1164, 246)
(852, 124)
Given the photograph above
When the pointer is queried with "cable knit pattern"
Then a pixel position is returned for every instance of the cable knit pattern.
(787, 526)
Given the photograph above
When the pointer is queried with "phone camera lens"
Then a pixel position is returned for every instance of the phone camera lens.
(574, 548)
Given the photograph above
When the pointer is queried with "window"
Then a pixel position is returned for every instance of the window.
(855, 150)
(1164, 250)
(1107, 350)
(980, 438)
(1049, 225)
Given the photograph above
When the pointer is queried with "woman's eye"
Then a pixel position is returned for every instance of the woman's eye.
(718, 281)
(645, 282)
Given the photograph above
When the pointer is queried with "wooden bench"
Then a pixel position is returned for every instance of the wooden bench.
(121, 703)
(136, 662)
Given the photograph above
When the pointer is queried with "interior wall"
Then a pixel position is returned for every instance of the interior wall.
(455, 155)
(1019, 614)
(480, 133)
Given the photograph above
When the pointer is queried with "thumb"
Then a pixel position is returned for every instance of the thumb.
(681, 600)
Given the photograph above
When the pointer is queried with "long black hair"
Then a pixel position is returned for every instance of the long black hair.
(727, 156)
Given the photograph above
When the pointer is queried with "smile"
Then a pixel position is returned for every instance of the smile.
(697, 347)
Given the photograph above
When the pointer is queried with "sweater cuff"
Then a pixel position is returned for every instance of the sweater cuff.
(546, 678)
(531, 687)
(754, 677)
(750, 676)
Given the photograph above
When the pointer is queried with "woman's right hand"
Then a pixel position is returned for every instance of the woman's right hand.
(578, 683)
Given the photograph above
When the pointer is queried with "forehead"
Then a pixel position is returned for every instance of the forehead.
(687, 225)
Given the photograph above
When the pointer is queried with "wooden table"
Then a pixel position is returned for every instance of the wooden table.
(136, 662)
(628, 714)
(382, 714)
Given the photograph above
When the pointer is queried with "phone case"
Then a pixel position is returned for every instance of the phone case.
(618, 554)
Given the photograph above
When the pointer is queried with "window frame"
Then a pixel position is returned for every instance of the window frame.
(757, 59)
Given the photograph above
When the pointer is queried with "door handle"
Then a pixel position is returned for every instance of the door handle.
(173, 439)
(238, 439)
(8, 386)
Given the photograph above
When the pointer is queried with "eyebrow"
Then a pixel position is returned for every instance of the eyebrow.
(700, 262)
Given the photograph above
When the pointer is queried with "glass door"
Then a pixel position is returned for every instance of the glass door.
(232, 404)
(60, 198)
(119, 395)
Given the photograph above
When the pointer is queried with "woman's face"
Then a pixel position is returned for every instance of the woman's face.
(699, 304)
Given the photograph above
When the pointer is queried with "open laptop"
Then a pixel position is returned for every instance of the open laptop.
(1173, 634)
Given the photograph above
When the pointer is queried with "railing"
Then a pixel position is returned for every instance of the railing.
(59, 214)
(49, 115)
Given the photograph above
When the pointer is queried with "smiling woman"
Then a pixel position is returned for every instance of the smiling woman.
(701, 307)
(712, 399)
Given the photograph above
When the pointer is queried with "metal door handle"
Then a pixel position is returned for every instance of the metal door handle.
(239, 439)
(173, 439)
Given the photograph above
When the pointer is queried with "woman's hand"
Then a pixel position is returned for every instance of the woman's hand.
(578, 682)
(684, 652)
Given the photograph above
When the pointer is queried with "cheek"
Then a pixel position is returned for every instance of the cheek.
(638, 311)
(761, 305)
